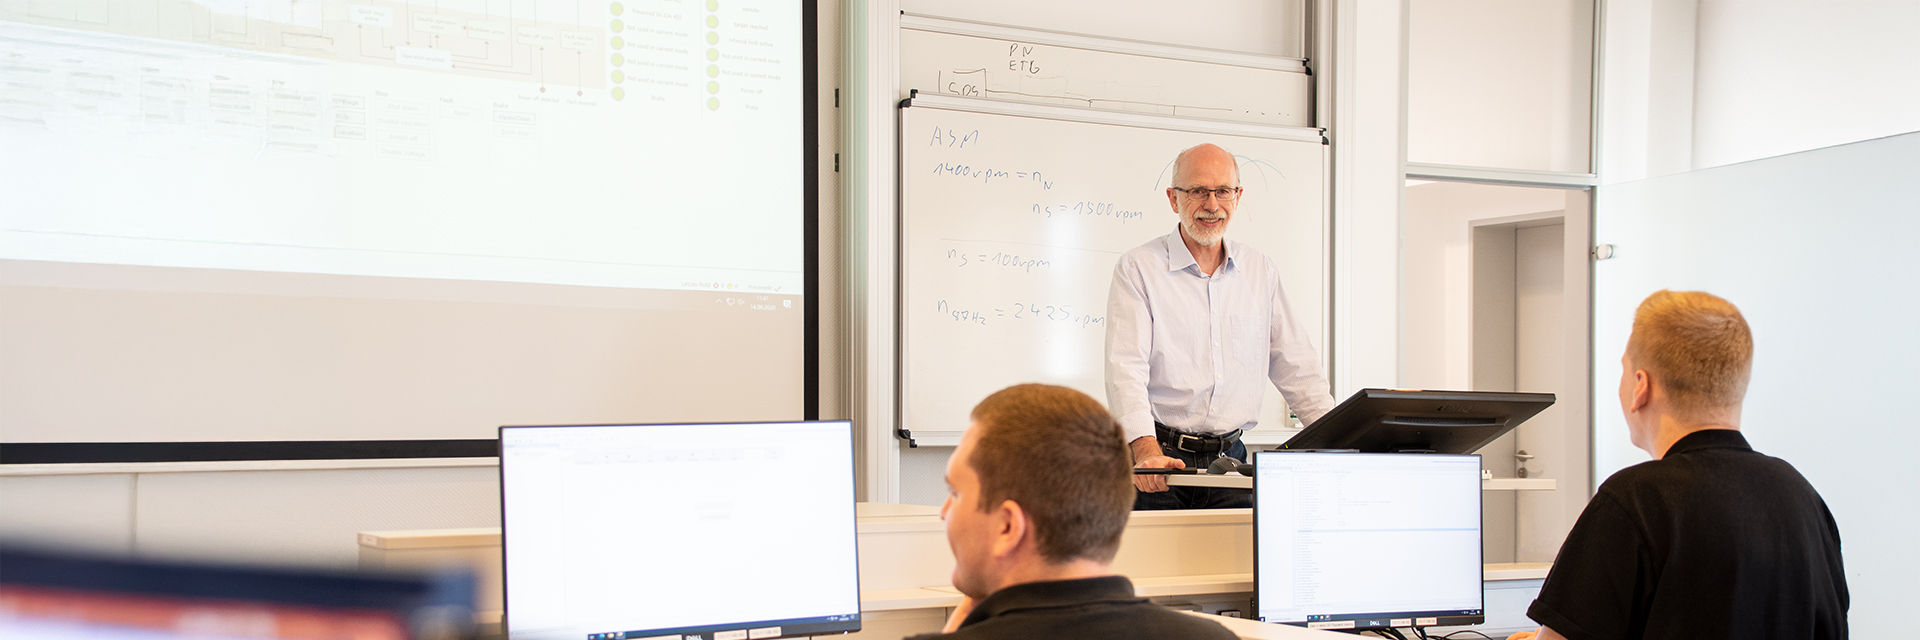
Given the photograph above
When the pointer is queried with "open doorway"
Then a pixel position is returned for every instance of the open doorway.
(1496, 298)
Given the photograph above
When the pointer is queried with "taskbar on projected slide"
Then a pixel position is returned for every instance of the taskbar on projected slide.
(1382, 620)
(743, 630)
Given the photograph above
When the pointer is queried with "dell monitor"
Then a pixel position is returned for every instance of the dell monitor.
(696, 531)
(1366, 540)
(1396, 420)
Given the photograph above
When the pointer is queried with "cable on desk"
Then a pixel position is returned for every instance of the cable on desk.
(1451, 635)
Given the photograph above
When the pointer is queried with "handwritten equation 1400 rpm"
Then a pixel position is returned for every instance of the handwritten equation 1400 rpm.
(1033, 313)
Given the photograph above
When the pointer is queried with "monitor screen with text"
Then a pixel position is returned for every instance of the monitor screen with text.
(705, 531)
(1365, 541)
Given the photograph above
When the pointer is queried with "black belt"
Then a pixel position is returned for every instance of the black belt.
(1191, 443)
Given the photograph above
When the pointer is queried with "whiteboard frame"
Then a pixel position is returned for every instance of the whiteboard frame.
(948, 438)
(921, 22)
(1101, 116)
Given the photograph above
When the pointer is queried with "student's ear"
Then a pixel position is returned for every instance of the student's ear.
(1642, 393)
(1013, 528)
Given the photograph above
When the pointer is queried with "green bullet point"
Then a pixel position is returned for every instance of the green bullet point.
(617, 26)
(618, 43)
(619, 93)
(712, 22)
(713, 54)
(713, 38)
(617, 9)
(713, 104)
(619, 59)
(619, 77)
(713, 5)
(713, 71)
(713, 87)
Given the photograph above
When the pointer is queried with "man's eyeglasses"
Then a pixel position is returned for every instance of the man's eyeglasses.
(1201, 193)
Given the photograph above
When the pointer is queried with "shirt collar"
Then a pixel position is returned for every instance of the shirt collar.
(1178, 257)
(1055, 593)
(1709, 439)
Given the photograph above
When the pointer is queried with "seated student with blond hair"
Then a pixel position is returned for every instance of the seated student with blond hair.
(1710, 539)
(1040, 490)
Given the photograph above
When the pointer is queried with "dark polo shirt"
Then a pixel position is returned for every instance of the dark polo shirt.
(1092, 608)
(1714, 540)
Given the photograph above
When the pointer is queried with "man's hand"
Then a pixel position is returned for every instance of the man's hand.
(960, 614)
(1147, 455)
(1542, 634)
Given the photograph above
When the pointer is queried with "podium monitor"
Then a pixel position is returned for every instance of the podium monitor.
(1367, 540)
(1396, 421)
(694, 531)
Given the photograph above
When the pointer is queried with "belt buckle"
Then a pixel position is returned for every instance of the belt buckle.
(1181, 444)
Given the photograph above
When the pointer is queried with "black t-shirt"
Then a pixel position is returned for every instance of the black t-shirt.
(1711, 541)
(1093, 608)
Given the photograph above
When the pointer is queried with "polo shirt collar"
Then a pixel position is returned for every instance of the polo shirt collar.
(1178, 257)
(1710, 439)
(1055, 593)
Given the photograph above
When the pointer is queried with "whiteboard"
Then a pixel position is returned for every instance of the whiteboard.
(1011, 224)
(1019, 65)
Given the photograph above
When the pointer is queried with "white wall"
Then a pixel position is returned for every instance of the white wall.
(1646, 88)
(1500, 83)
(1703, 83)
(1436, 348)
(304, 517)
(1815, 249)
(1783, 76)
(1364, 62)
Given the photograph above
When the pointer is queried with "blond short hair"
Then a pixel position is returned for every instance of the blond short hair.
(1697, 345)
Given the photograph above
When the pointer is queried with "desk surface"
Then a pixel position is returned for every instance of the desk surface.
(1237, 481)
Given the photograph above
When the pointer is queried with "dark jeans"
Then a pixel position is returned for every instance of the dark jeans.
(1197, 497)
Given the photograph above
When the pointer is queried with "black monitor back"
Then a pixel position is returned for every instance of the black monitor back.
(1395, 420)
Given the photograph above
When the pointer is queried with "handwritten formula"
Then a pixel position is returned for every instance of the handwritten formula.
(997, 258)
(1021, 312)
(1088, 209)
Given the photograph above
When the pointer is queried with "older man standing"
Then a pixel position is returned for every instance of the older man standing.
(1710, 539)
(1197, 326)
(1034, 529)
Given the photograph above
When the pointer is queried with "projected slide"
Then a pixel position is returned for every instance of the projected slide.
(633, 143)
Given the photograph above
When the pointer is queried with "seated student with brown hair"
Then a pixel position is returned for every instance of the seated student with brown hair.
(1710, 539)
(1040, 489)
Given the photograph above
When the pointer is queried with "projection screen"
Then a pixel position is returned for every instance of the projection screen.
(333, 220)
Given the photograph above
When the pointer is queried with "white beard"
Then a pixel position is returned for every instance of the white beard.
(1205, 237)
